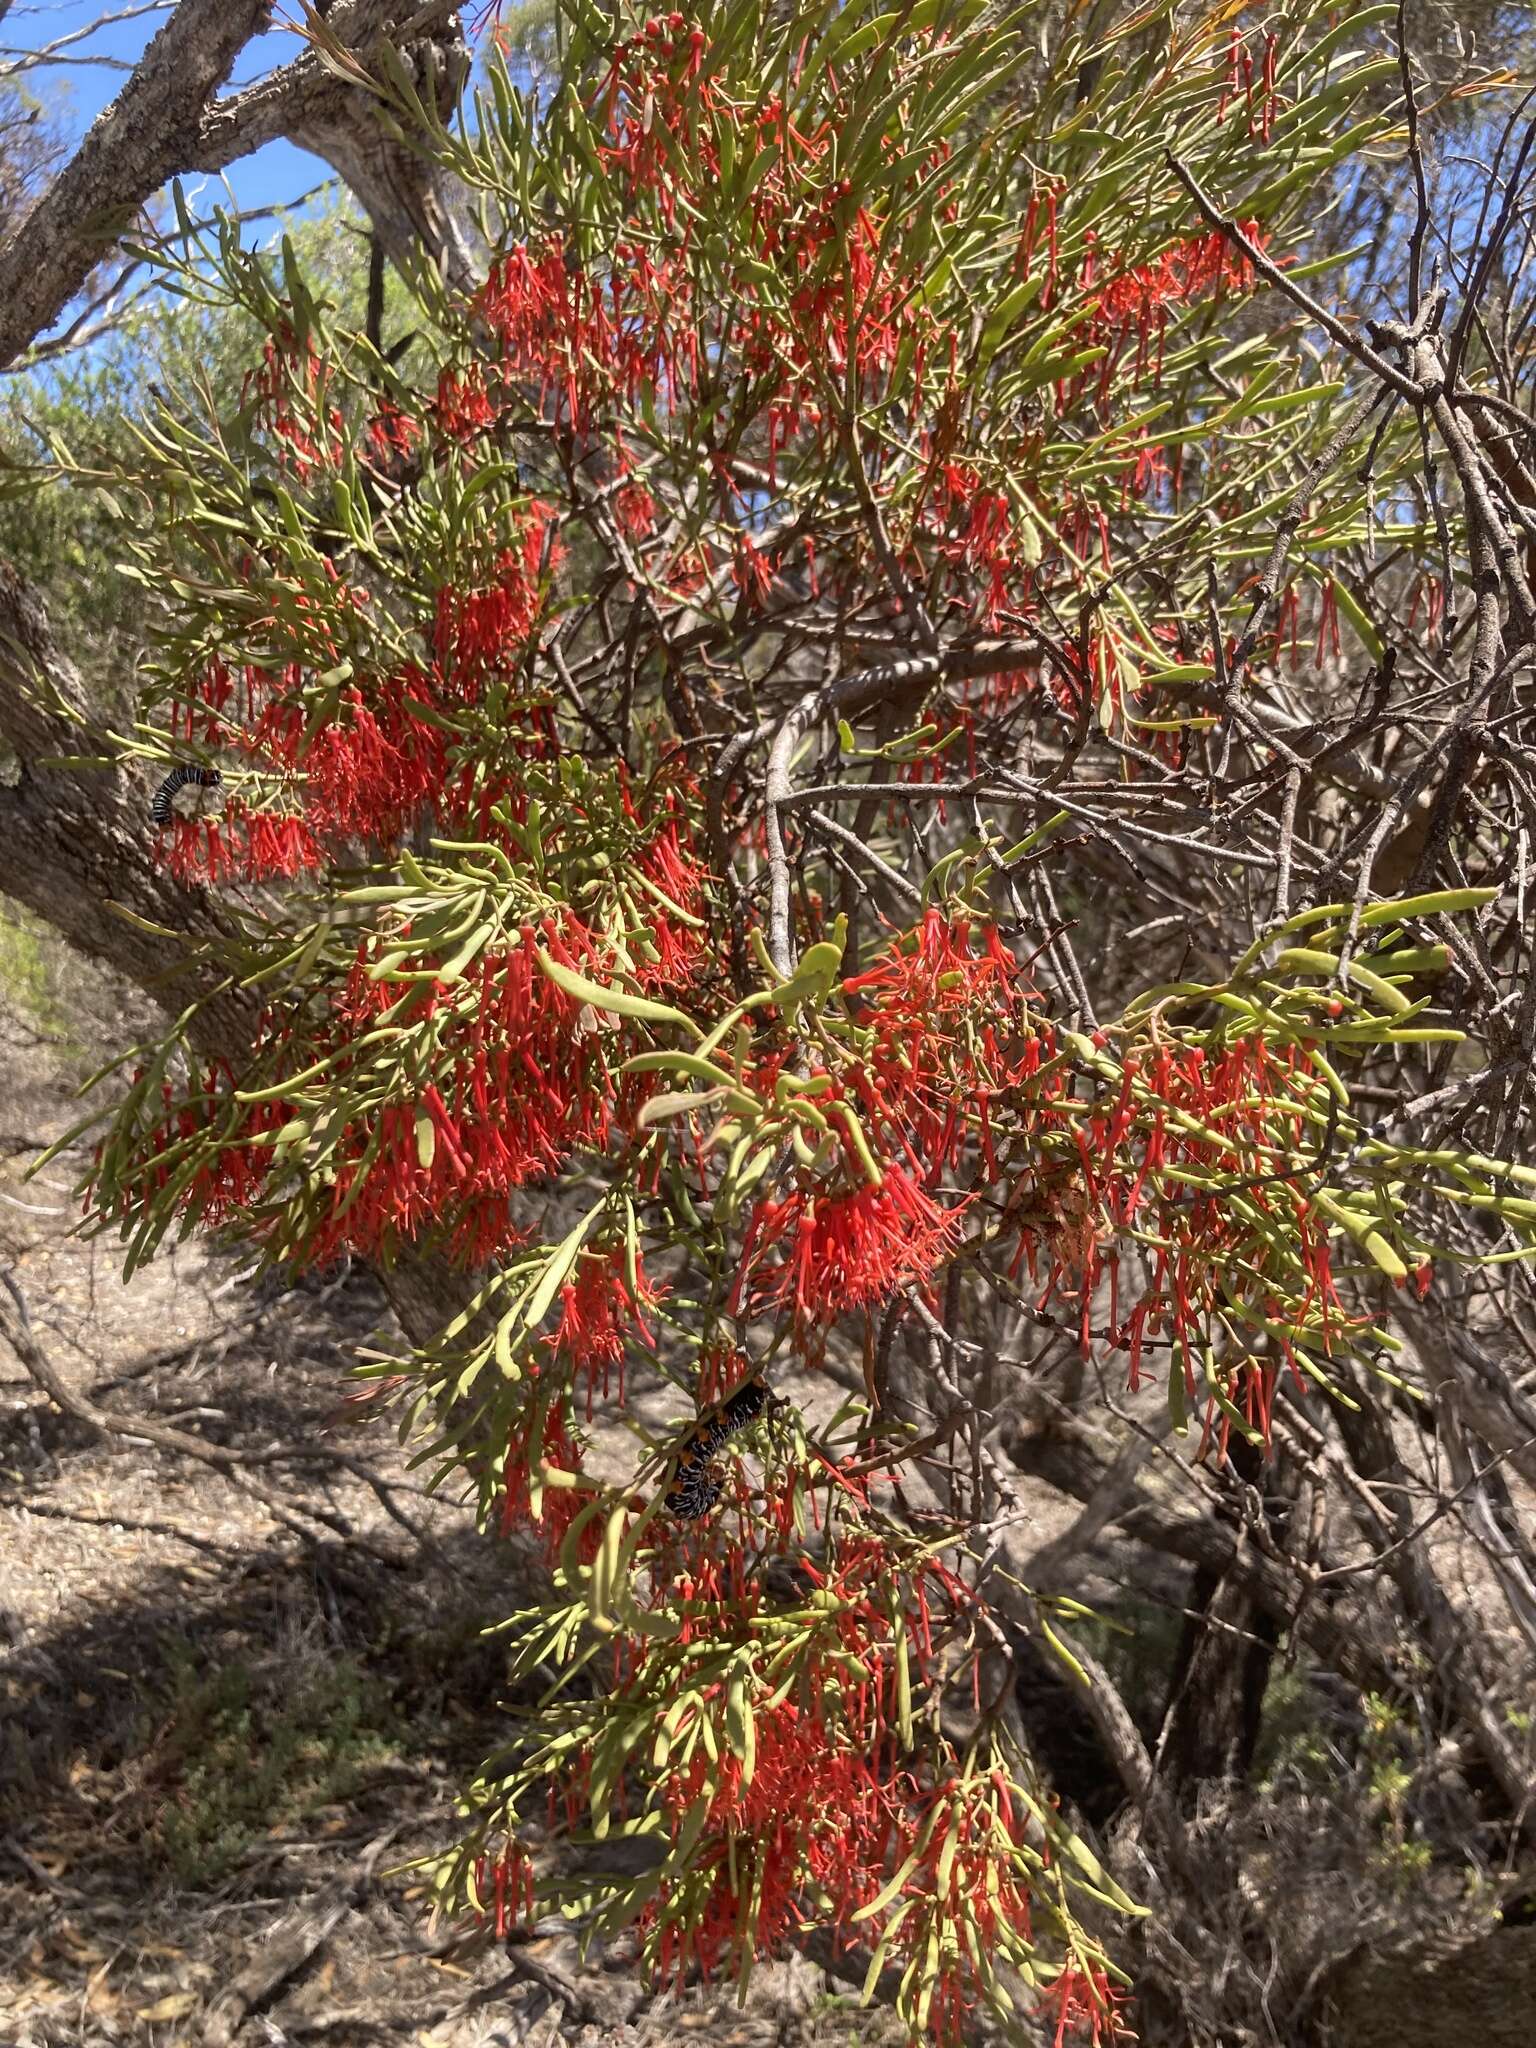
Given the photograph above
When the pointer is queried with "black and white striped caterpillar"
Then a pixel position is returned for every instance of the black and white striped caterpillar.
(695, 1489)
(179, 778)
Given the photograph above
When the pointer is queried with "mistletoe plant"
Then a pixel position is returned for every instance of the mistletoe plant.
(658, 701)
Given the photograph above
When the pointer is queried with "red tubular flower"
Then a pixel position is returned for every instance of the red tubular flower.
(484, 631)
(833, 1806)
(392, 433)
(516, 1090)
(598, 1311)
(845, 1250)
(1136, 301)
(276, 845)
(289, 395)
(635, 510)
(506, 1884)
(751, 570)
(373, 768)
(463, 408)
(975, 531)
(199, 850)
(1082, 2004)
(951, 1035)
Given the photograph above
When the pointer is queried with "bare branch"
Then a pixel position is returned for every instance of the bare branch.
(147, 135)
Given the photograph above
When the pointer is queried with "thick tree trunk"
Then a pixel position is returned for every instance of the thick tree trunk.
(1217, 1694)
(1221, 1668)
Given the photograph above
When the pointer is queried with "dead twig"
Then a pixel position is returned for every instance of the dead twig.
(16, 1327)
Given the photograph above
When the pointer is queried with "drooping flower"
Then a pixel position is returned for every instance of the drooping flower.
(599, 1312)
(392, 434)
(290, 395)
(844, 1250)
(541, 1439)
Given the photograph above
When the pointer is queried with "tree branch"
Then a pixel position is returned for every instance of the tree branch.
(165, 124)
(146, 136)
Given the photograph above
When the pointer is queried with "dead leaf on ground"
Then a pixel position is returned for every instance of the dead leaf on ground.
(174, 2006)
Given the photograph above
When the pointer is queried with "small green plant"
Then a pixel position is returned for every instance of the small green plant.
(244, 1753)
(24, 976)
(1291, 1743)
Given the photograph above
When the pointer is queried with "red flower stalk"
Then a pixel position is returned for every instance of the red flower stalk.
(506, 1884)
(1083, 2005)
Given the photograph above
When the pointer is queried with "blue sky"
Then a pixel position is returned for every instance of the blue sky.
(272, 176)
(87, 76)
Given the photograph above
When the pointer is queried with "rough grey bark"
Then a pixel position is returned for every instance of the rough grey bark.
(78, 844)
(165, 123)
(79, 856)
(309, 103)
(147, 135)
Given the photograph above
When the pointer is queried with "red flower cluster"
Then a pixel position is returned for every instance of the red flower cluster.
(392, 434)
(252, 846)
(950, 1036)
(1197, 1154)
(977, 532)
(1085, 2006)
(654, 98)
(393, 745)
(541, 1437)
(599, 1311)
(289, 395)
(942, 1039)
(517, 1087)
(505, 1883)
(1242, 76)
(832, 1806)
(843, 1251)
(1135, 300)
(579, 348)
(588, 347)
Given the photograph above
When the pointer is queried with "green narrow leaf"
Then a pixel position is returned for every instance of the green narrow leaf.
(618, 1002)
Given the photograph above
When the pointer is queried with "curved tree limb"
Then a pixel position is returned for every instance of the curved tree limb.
(166, 123)
(145, 136)
(79, 842)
